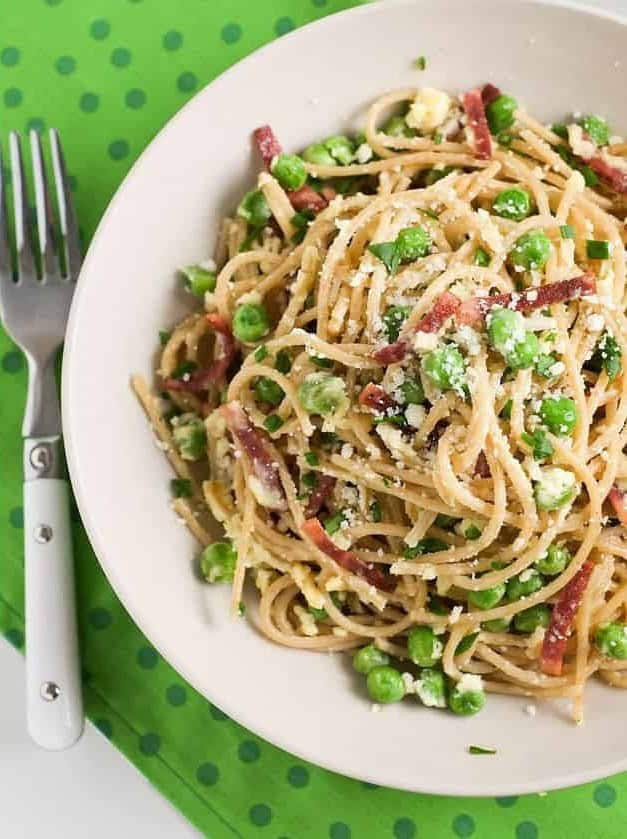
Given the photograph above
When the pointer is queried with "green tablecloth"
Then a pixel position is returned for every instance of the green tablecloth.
(108, 74)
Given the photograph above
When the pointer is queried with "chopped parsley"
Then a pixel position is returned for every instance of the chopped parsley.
(539, 443)
(261, 353)
(164, 336)
(429, 545)
(181, 488)
(481, 750)
(421, 63)
(185, 368)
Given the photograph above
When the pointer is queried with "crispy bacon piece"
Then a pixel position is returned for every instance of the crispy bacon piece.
(444, 307)
(482, 467)
(554, 644)
(254, 443)
(489, 93)
(374, 397)
(322, 490)
(472, 103)
(306, 198)
(347, 559)
(201, 380)
(475, 309)
(267, 144)
(615, 177)
(617, 499)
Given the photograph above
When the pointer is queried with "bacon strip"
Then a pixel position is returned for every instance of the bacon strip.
(472, 103)
(322, 490)
(444, 307)
(562, 617)
(617, 499)
(254, 443)
(615, 177)
(306, 198)
(378, 400)
(346, 559)
(267, 144)
(482, 467)
(476, 308)
(201, 380)
(489, 93)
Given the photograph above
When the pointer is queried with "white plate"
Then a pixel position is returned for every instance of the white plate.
(315, 81)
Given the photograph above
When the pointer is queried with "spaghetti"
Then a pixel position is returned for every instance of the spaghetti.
(404, 400)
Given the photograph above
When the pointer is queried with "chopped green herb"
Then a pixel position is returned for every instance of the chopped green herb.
(184, 369)
(260, 353)
(445, 522)
(428, 545)
(181, 488)
(328, 439)
(164, 337)
(567, 231)
(376, 513)
(412, 392)
(597, 129)
(333, 523)
(309, 479)
(312, 458)
(560, 129)
(436, 605)
(429, 213)
(388, 253)
(393, 319)
(597, 249)
(481, 750)
(420, 63)
(301, 221)
(607, 356)
(544, 364)
(437, 138)
(539, 444)
(283, 362)
(272, 423)
(504, 138)
(318, 614)
(198, 280)
(241, 609)
(506, 411)
(466, 643)
(319, 361)
(482, 258)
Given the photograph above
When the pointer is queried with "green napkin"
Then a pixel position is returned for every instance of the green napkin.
(108, 75)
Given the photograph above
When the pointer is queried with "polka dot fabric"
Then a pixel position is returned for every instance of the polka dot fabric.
(108, 75)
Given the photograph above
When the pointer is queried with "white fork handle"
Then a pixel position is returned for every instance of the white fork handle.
(54, 706)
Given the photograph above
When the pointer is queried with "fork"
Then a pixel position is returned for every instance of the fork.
(34, 310)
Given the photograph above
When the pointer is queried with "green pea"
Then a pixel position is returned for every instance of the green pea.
(496, 625)
(250, 322)
(446, 368)
(530, 619)
(385, 685)
(524, 353)
(488, 598)
(413, 243)
(393, 319)
(217, 562)
(512, 203)
(198, 280)
(423, 647)
(466, 702)
(611, 640)
(340, 148)
(431, 688)
(254, 208)
(555, 488)
(396, 126)
(289, 170)
(267, 390)
(368, 657)
(506, 328)
(190, 436)
(321, 393)
(500, 113)
(531, 251)
(554, 560)
(434, 175)
(318, 154)
(559, 414)
(517, 587)
(597, 129)
(412, 392)
(482, 258)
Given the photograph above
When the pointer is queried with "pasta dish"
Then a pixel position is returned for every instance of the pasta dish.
(402, 396)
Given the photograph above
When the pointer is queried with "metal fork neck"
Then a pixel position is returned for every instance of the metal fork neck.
(43, 458)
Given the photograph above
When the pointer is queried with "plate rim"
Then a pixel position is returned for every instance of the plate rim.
(153, 634)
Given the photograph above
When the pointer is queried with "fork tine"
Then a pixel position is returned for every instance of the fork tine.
(67, 218)
(25, 262)
(5, 253)
(42, 207)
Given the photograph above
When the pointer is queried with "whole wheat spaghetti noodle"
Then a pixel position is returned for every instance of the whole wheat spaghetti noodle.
(403, 398)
